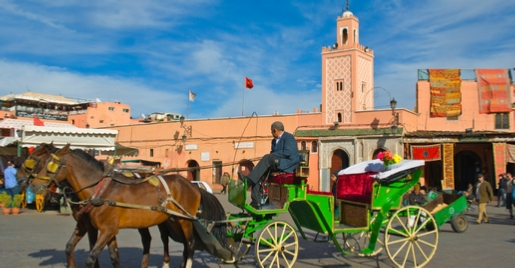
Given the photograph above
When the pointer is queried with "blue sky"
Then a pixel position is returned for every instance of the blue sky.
(149, 53)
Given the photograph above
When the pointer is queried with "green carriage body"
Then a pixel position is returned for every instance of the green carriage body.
(314, 211)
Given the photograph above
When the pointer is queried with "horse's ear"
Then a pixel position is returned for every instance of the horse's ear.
(52, 143)
(63, 150)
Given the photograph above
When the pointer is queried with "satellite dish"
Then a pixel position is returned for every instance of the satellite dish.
(98, 100)
(143, 115)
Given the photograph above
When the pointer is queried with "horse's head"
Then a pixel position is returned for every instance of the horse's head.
(65, 164)
(34, 165)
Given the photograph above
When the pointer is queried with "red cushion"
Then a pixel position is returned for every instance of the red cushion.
(285, 178)
(355, 187)
(319, 192)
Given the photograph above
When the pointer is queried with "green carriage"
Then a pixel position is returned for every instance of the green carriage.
(370, 201)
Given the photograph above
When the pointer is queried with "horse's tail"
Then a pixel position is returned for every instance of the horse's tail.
(212, 210)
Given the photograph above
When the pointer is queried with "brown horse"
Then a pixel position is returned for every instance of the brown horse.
(141, 205)
(28, 173)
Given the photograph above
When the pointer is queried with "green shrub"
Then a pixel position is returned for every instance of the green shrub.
(18, 198)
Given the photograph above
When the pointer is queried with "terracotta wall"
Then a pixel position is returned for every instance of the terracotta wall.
(215, 138)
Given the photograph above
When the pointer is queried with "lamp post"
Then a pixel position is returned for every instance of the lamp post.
(187, 129)
(393, 105)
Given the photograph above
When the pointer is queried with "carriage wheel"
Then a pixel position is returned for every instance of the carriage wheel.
(40, 202)
(356, 242)
(459, 223)
(23, 200)
(235, 231)
(408, 240)
(277, 245)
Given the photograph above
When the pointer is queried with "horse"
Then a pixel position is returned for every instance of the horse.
(126, 205)
(28, 175)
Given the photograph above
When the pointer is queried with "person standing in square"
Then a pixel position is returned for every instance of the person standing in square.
(484, 195)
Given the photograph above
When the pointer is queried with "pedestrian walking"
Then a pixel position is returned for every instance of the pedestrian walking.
(509, 191)
(484, 194)
(225, 181)
(501, 192)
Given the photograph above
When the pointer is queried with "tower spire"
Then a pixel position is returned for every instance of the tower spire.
(347, 7)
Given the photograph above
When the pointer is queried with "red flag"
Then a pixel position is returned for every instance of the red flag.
(426, 152)
(248, 83)
(38, 122)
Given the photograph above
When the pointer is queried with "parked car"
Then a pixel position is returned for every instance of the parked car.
(203, 185)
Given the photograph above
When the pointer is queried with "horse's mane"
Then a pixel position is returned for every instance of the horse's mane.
(88, 158)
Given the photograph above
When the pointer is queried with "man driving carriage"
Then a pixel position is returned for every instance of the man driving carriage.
(284, 156)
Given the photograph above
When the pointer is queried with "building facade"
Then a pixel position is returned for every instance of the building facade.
(59, 109)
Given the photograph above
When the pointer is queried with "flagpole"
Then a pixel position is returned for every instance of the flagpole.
(243, 99)
(188, 110)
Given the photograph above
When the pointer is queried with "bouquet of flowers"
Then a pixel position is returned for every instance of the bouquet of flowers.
(388, 158)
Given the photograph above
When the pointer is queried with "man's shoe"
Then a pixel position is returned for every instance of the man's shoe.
(255, 206)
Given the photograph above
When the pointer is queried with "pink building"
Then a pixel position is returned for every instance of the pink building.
(59, 109)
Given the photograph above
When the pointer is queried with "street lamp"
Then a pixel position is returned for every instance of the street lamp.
(393, 105)
(187, 129)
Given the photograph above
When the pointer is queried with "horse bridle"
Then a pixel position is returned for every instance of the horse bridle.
(28, 166)
(55, 166)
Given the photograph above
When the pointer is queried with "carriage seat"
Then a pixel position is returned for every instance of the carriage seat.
(355, 187)
(299, 175)
(285, 178)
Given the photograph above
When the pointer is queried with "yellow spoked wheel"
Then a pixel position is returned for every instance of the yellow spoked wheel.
(356, 242)
(277, 245)
(411, 237)
(23, 200)
(239, 245)
(40, 202)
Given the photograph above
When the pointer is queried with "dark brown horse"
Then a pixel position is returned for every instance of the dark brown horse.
(146, 201)
(36, 163)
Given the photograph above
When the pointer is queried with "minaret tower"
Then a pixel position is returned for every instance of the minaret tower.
(347, 73)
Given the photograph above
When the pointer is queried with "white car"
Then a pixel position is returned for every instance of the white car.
(203, 185)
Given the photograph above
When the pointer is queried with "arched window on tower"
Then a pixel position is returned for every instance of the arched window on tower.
(314, 147)
(345, 36)
(339, 117)
(339, 85)
(303, 145)
(355, 33)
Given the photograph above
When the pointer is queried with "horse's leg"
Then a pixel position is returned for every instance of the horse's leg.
(164, 237)
(92, 233)
(113, 252)
(78, 233)
(105, 236)
(189, 244)
(145, 240)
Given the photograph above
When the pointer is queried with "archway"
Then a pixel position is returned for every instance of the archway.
(467, 165)
(193, 171)
(339, 160)
(376, 152)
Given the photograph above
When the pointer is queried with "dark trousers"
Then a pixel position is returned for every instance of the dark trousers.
(12, 192)
(268, 163)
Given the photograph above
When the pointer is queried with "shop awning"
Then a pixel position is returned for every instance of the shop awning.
(78, 138)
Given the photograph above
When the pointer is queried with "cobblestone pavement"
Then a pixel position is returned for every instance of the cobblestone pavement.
(34, 239)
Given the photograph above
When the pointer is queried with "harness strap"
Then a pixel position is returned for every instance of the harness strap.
(154, 208)
(96, 198)
(165, 185)
(170, 198)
